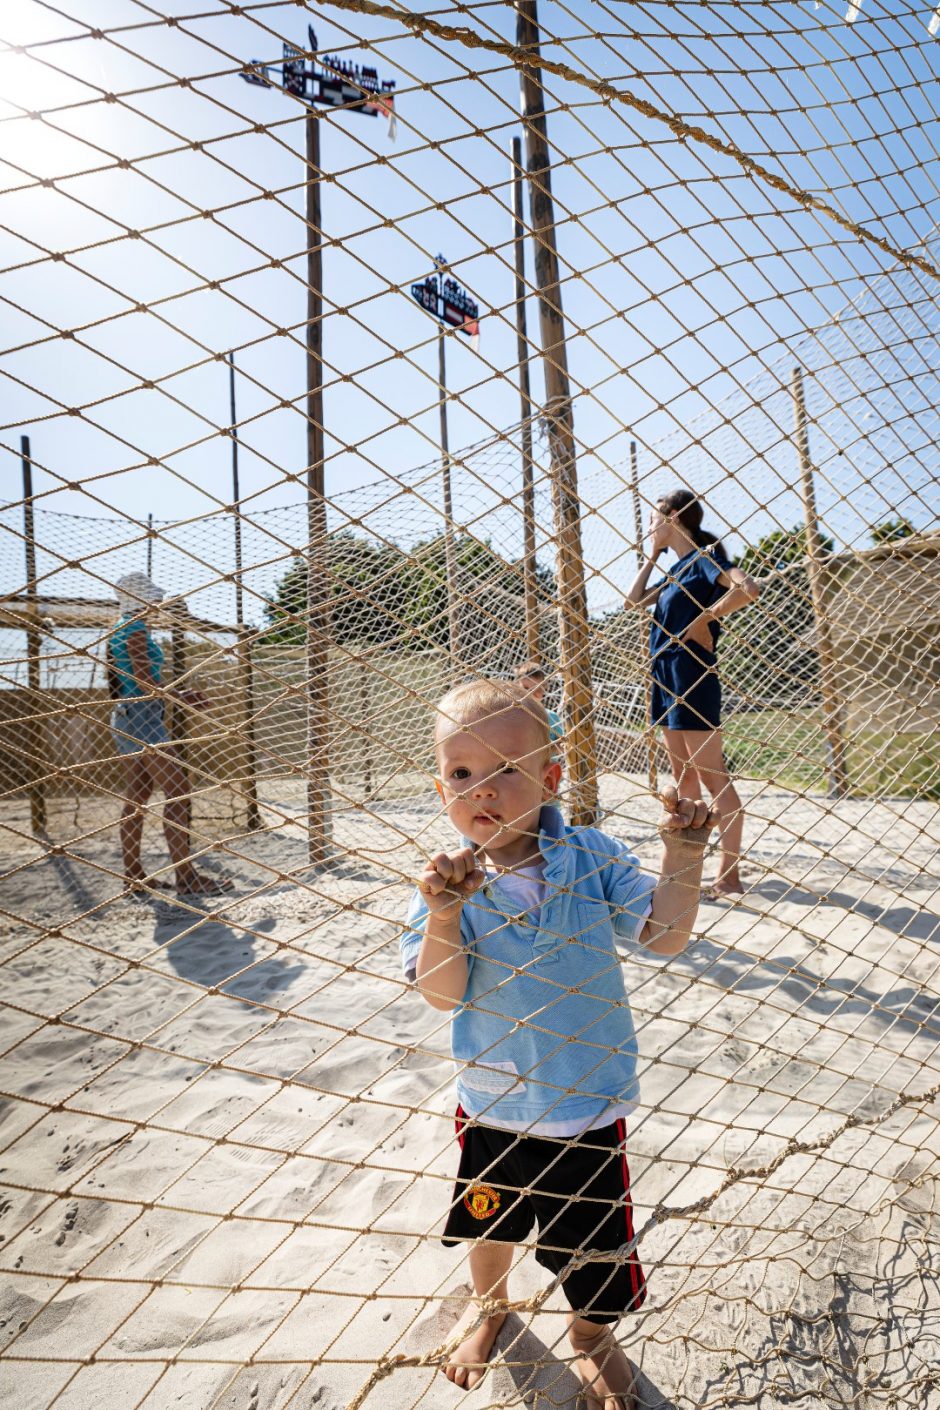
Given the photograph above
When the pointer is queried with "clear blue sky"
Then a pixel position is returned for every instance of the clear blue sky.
(684, 278)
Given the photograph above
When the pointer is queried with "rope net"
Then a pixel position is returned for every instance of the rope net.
(228, 1119)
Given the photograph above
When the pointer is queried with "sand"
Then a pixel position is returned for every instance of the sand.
(226, 1139)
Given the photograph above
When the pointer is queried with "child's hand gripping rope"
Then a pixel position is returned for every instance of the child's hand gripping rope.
(449, 879)
(687, 821)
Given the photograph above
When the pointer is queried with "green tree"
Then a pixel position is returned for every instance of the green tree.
(381, 595)
(891, 529)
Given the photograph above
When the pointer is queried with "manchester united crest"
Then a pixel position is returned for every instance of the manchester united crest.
(482, 1201)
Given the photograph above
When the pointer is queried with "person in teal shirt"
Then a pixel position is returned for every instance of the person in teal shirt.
(138, 726)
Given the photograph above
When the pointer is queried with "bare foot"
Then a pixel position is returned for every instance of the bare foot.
(728, 884)
(468, 1363)
(196, 884)
(138, 882)
(607, 1374)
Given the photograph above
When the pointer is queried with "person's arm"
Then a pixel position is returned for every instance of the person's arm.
(684, 826)
(638, 595)
(441, 970)
(742, 590)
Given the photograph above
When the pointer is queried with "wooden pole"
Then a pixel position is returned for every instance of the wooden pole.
(178, 719)
(246, 670)
(37, 797)
(243, 647)
(816, 571)
(450, 557)
(365, 706)
(580, 740)
(525, 400)
(318, 700)
(652, 772)
(236, 496)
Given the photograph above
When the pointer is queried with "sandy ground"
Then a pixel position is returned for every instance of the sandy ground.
(226, 1139)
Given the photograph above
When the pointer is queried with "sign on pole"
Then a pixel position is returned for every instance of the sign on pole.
(444, 299)
(331, 81)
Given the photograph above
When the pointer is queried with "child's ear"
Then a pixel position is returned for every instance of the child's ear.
(551, 779)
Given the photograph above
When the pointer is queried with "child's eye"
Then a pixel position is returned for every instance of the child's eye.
(508, 769)
(460, 773)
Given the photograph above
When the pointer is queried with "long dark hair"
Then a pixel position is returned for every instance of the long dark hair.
(688, 510)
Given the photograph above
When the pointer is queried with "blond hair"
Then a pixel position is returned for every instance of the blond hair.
(476, 701)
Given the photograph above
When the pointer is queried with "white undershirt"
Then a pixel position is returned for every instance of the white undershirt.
(526, 886)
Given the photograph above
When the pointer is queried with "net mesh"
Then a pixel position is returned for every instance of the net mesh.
(227, 1119)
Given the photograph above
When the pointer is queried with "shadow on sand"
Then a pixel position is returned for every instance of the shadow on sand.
(913, 923)
(217, 955)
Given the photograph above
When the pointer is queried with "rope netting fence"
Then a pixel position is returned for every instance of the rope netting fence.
(705, 257)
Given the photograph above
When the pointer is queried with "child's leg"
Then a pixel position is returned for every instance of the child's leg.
(602, 1365)
(489, 1268)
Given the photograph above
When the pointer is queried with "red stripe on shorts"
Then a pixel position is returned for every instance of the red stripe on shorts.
(460, 1121)
(637, 1279)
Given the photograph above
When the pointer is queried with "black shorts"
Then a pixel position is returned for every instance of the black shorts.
(686, 690)
(578, 1190)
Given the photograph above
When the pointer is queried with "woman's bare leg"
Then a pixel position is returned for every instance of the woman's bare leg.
(489, 1268)
(683, 770)
(706, 756)
(168, 773)
(137, 789)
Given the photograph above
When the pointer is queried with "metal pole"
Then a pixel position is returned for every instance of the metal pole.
(580, 740)
(648, 731)
(236, 496)
(36, 763)
(450, 559)
(525, 401)
(318, 700)
(816, 571)
(149, 545)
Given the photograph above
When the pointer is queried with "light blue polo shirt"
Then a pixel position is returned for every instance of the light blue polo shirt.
(544, 1037)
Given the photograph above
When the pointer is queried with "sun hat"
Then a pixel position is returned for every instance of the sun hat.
(136, 590)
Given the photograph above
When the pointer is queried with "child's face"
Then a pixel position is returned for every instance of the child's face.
(494, 778)
(533, 686)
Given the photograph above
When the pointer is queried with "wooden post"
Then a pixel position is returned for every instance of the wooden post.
(246, 670)
(580, 741)
(35, 735)
(816, 571)
(525, 400)
(649, 733)
(450, 558)
(243, 646)
(177, 721)
(318, 606)
(365, 705)
(236, 496)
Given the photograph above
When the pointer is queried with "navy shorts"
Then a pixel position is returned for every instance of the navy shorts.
(138, 724)
(686, 689)
(579, 1192)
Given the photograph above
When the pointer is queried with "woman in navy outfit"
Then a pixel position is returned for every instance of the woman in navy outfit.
(687, 603)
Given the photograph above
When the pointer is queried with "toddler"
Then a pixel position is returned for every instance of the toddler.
(514, 935)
